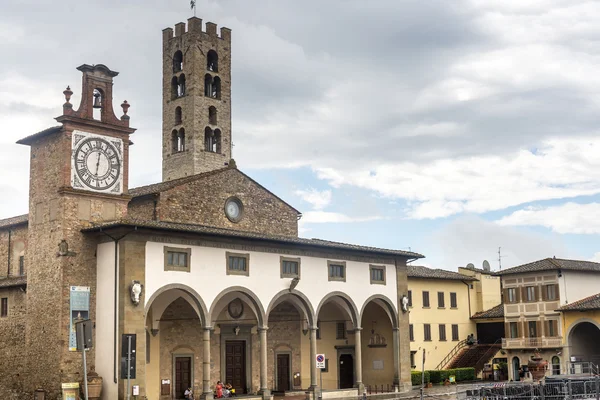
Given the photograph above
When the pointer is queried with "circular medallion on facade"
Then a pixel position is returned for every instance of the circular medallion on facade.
(234, 209)
(235, 308)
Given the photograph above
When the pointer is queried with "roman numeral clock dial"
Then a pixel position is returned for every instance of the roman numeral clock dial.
(97, 163)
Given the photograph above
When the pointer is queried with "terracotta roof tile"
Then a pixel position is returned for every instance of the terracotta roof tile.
(18, 220)
(588, 303)
(31, 138)
(494, 312)
(13, 281)
(551, 264)
(213, 231)
(418, 271)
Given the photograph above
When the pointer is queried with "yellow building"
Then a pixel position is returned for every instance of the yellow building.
(440, 305)
(487, 288)
(581, 327)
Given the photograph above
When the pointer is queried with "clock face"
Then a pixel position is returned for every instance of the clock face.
(97, 163)
(233, 209)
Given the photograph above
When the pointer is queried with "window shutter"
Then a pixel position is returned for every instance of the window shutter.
(543, 294)
(556, 292)
(538, 328)
(518, 294)
(507, 329)
(505, 295)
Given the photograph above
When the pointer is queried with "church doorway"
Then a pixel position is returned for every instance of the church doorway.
(235, 364)
(183, 376)
(283, 372)
(346, 371)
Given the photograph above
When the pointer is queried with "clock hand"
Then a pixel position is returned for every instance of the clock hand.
(98, 164)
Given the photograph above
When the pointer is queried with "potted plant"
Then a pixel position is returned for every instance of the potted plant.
(94, 383)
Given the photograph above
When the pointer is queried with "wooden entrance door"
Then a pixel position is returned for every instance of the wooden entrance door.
(283, 372)
(235, 365)
(183, 376)
(346, 370)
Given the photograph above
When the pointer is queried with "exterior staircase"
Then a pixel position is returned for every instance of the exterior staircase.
(475, 355)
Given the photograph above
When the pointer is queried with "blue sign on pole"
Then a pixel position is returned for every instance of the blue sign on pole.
(79, 311)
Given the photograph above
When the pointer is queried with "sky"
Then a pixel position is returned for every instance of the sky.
(450, 128)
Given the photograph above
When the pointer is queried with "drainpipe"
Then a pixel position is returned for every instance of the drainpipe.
(116, 300)
(468, 296)
(8, 261)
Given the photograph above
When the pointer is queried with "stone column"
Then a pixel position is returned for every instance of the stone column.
(313, 365)
(264, 390)
(358, 364)
(396, 349)
(206, 390)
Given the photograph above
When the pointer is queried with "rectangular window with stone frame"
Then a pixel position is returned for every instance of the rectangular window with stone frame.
(455, 332)
(177, 258)
(289, 267)
(238, 264)
(425, 299)
(442, 329)
(377, 273)
(410, 298)
(441, 302)
(453, 302)
(336, 270)
(411, 332)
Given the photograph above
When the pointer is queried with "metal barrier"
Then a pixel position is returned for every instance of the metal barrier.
(563, 390)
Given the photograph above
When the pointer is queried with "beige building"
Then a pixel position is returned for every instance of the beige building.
(204, 271)
(440, 317)
(533, 293)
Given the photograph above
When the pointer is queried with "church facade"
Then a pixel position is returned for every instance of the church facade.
(204, 272)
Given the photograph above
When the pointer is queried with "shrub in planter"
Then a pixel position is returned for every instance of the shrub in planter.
(415, 377)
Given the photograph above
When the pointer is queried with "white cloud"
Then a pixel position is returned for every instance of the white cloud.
(470, 239)
(564, 218)
(320, 217)
(484, 183)
(318, 199)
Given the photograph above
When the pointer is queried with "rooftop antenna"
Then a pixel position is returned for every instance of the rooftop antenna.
(500, 256)
(193, 6)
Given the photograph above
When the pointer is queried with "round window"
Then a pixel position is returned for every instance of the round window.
(234, 209)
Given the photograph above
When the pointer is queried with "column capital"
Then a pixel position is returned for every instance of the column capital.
(262, 328)
(208, 328)
(395, 329)
(357, 329)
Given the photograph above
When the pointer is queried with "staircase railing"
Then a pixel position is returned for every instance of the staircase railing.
(487, 355)
(451, 354)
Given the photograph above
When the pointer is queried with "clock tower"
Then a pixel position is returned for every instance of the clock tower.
(78, 177)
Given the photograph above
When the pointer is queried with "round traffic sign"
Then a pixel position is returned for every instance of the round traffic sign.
(320, 358)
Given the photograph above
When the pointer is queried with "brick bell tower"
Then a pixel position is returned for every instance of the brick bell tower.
(196, 99)
(78, 177)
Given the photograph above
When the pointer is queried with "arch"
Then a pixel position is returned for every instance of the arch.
(174, 141)
(208, 85)
(516, 365)
(201, 307)
(212, 61)
(345, 301)
(249, 295)
(384, 303)
(555, 364)
(181, 86)
(178, 116)
(174, 88)
(181, 141)
(582, 340)
(217, 141)
(216, 88)
(209, 140)
(212, 115)
(298, 299)
(178, 61)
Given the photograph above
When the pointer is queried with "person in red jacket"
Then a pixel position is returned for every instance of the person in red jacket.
(219, 389)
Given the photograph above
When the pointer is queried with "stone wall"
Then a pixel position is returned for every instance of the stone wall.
(283, 336)
(17, 247)
(13, 367)
(202, 201)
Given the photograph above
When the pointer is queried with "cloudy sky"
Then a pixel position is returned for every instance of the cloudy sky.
(448, 127)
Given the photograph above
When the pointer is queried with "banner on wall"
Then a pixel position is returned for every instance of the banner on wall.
(79, 311)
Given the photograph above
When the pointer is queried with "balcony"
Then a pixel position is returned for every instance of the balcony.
(532, 343)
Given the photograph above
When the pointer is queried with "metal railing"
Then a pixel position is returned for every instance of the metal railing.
(376, 389)
(581, 368)
(534, 342)
(451, 354)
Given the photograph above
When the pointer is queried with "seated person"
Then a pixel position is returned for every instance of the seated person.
(219, 389)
